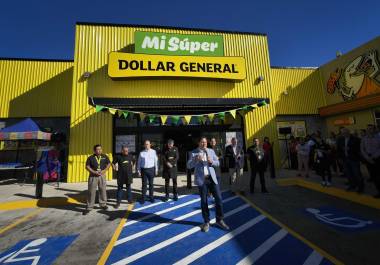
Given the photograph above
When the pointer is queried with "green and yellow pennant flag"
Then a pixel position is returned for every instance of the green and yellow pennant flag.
(99, 108)
(142, 116)
(233, 113)
(187, 118)
(174, 119)
(163, 118)
(125, 114)
(112, 111)
(211, 116)
(151, 118)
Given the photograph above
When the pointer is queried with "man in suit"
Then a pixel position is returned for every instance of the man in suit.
(219, 153)
(203, 160)
(170, 158)
(348, 148)
(235, 160)
(258, 165)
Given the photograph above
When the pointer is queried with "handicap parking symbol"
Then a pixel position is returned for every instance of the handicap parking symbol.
(36, 251)
(341, 220)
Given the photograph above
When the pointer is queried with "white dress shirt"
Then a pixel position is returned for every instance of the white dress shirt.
(147, 159)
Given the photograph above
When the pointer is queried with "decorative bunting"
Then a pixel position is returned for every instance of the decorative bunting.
(125, 114)
(99, 108)
(175, 119)
(164, 118)
(233, 113)
(211, 116)
(187, 119)
(142, 116)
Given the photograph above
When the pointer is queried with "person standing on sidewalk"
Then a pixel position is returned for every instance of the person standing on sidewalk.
(235, 158)
(97, 164)
(203, 160)
(219, 153)
(370, 149)
(170, 158)
(123, 165)
(147, 168)
(303, 153)
(258, 165)
(323, 162)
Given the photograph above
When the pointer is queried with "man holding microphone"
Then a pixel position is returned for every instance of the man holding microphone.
(203, 160)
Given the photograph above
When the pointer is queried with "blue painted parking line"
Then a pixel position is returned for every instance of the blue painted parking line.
(169, 233)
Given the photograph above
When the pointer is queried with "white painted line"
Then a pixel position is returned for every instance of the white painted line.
(172, 240)
(159, 226)
(161, 212)
(213, 245)
(256, 254)
(155, 204)
(314, 259)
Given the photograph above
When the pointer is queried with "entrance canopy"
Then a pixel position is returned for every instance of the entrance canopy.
(24, 130)
(176, 106)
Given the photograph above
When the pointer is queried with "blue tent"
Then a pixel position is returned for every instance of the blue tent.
(24, 130)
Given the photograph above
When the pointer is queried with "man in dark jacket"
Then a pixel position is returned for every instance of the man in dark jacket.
(258, 165)
(123, 165)
(219, 153)
(348, 148)
(235, 162)
(170, 158)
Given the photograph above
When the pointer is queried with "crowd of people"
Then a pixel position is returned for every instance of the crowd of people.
(343, 153)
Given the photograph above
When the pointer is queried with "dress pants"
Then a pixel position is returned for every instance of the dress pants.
(120, 186)
(374, 172)
(210, 186)
(254, 171)
(93, 183)
(352, 171)
(167, 184)
(147, 175)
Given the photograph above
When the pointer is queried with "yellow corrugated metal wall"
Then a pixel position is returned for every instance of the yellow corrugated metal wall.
(304, 91)
(92, 45)
(35, 88)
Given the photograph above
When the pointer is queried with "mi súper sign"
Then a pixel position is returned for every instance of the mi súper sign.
(123, 65)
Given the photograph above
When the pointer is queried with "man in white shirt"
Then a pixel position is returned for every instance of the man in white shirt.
(147, 168)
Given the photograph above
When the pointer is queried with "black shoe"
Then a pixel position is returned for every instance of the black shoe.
(166, 198)
(242, 193)
(205, 227)
(350, 188)
(222, 225)
(105, 207)
(85, 212)
(175, 198)
(152, 200)
(142, 201)
(117, 205)
(264, 191)
(252, 191)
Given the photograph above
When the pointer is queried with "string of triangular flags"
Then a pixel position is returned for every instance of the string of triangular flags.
(201, 118)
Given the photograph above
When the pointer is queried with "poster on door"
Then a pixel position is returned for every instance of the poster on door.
(125, 140)
(237, 135)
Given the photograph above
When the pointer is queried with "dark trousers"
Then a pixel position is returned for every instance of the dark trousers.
(293, 160)
(374, 172)
(147, 175)
(254, 172)
(352, 171)
(323, 169)
(39, 185)
(188, 173)
(167, 183)
(119, 194)
(210, 186)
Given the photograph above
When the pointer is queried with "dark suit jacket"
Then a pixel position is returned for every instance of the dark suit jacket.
(353, 146)
(232, 160)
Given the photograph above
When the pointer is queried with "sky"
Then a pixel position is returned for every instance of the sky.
(300, 32)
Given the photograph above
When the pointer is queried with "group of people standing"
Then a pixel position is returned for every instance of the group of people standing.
(206, 163)
(344, 152)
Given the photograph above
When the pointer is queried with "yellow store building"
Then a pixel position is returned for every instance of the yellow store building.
(128, 83)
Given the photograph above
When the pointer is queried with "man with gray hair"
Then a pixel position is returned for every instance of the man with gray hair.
(170, 158)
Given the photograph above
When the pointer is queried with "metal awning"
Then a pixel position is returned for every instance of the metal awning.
(176, 105)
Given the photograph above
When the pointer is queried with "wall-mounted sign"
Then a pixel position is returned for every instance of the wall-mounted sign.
(344, 121)
(123, 65)
(298, 128)
(178, 44)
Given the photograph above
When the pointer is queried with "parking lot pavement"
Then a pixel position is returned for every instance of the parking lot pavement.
(298, 225)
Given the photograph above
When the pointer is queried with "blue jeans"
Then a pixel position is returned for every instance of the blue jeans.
(207, 186)
(119, 194)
